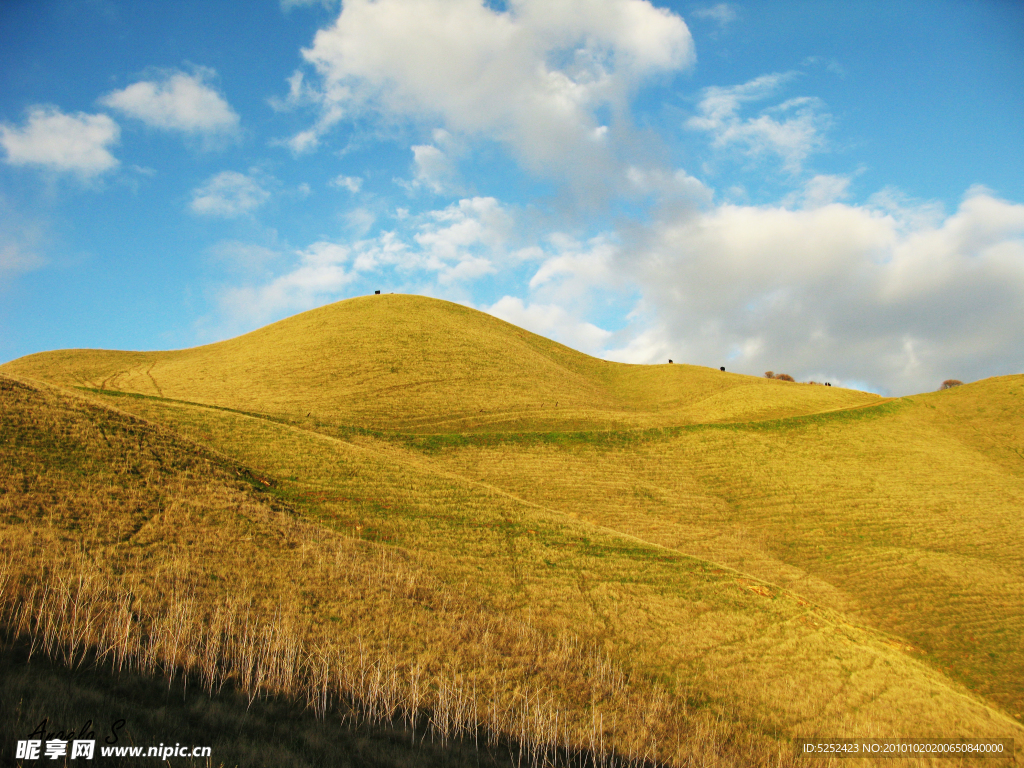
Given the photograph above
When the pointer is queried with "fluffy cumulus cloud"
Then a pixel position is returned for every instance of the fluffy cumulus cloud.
(571, 268)
(75, 143)
(300, 93)
(553, 321)
(228, 194)
(461, 241)
(824, 189)
(441, 248)
(791, 130)
(882, 293)
(177, 101)
(533, 76)
(665, 186)
(319, 274)
(889, 294)
(433, 169)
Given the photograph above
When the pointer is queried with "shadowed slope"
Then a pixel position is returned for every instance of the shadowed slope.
(473, 608)
(417, 364)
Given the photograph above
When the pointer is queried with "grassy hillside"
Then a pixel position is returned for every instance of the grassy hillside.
(707, 567)
(907, 516)
(126, 542)
(417, 364)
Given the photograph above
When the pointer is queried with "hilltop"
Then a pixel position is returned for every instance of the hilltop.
(410, 363)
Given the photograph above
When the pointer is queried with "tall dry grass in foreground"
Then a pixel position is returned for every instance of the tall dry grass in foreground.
(500, 600)
(125, 544)
(70, 610)
(500, 516)
(561, 640)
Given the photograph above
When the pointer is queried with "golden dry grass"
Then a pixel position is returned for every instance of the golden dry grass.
(906, 517)
(417, 364)
(123, 541)
(415, 501)
(699, 588)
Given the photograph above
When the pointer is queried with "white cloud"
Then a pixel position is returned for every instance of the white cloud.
(16, 256)
(552, 321)
(862, 293)
(910, 215)
(791, 130)
(325, 254)
(433, 168)
(20, 241)
(359, 221)
(445, 247)
(306, 141)
(470, 222)
(570, 275)
(177, 102)
(824, 189)
(461, 241)
(831, 65)
(74, 143)
(386, 251)
(648, 346)
(723, 13)
(893, 295)
(303, 142)
(532, 77)
(669, 187)
(228, 194)
(300, 94)
(820, 190)
(352, 183)
(580, 265)
(320, 273)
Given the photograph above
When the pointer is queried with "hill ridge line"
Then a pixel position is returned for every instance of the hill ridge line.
(424, 466)
(835, 618)
(427, 435)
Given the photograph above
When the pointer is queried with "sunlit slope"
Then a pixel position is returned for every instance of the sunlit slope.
(414, 363)
(987, 416)
(698, 640)
(908, 516)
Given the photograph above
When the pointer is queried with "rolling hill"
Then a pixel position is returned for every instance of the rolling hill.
(377, 509)
(410, 363)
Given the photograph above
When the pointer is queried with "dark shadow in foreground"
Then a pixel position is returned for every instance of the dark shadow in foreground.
(129, 709)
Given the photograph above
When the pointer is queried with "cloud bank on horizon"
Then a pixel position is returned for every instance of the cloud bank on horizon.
(571, 166)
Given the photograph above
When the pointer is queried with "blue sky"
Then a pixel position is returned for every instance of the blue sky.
(830, 189)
